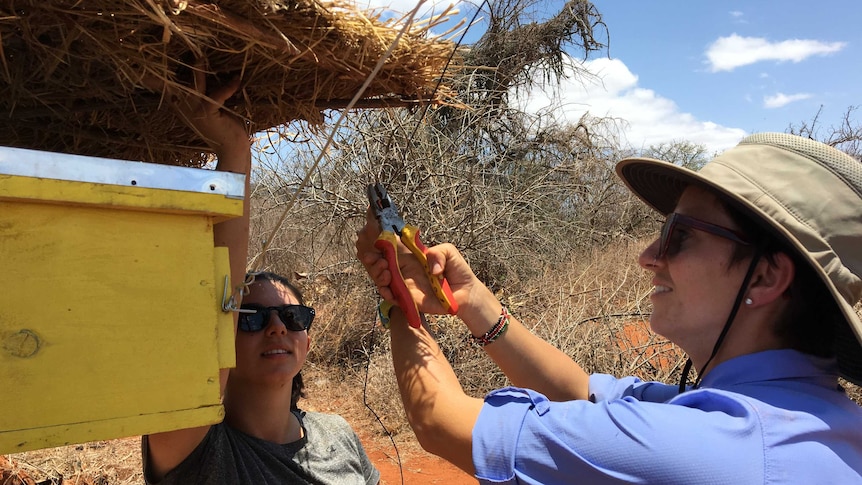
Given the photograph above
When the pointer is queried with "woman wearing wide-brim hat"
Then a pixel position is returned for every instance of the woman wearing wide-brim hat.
(756, 274)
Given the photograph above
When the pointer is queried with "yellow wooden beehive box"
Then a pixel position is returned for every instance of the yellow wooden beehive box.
(110, 307)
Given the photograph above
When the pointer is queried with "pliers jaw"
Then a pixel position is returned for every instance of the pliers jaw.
(385, 209)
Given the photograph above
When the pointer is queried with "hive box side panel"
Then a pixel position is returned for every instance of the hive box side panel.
(106, 317)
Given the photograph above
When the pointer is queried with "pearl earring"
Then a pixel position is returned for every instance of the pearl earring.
(749, 301)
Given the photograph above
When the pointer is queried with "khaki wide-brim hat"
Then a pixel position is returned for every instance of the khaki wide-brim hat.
(806, 192)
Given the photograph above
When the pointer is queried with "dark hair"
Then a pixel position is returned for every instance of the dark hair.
(810, 321)
(297, 390)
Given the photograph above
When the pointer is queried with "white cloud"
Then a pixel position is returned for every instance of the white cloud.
(614, 92)
(397, 10)
(738, 17)
(780, 99)
(728, 53)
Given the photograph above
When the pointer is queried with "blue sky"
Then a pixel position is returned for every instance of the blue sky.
(710, 72)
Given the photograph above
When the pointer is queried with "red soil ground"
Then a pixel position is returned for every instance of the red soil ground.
(417, 467)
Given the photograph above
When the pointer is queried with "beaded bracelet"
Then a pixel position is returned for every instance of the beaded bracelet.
(496, 331)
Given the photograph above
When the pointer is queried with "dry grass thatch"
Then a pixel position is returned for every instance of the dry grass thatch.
(73, 73)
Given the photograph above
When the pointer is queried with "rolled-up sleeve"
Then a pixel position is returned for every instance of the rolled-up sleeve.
(496, 444)
(521, 437)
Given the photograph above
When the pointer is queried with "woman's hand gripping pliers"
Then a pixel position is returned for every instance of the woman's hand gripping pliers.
(393, 227)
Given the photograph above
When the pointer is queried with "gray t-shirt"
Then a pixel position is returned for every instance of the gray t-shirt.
(329, 453)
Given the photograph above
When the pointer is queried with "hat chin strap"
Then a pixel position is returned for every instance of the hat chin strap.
(683, 380)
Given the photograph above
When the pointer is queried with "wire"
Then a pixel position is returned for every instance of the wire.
(365, 401)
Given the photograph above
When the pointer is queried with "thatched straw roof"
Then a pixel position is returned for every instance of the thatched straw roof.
(72, 77)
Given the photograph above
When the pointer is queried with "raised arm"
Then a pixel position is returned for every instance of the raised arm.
(439, 412)
(229, 139)
(527, 360)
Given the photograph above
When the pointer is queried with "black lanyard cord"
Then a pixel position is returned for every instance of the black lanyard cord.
(683, 380)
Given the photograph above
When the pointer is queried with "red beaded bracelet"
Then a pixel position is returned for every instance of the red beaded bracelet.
(496, 331)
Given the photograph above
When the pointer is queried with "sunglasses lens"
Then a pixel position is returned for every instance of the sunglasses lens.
(666, 229)
(252, 322)
(295, 317)
(669, 242)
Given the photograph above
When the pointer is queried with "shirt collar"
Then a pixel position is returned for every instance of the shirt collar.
(772, 365)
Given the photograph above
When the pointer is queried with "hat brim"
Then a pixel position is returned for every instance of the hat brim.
(660, 184)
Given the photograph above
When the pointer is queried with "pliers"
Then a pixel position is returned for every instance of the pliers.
(393, 227)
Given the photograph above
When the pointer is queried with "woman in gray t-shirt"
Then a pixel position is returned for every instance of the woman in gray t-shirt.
(264, 438)
(258, 444)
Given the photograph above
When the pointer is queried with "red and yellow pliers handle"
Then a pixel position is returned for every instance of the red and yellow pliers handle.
(394, 229)
(387, 242)
(410, 238)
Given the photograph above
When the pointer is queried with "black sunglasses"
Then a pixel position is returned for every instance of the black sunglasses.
(253, 318)
(669, 245)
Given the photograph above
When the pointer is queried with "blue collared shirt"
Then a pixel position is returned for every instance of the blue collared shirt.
(768, 418)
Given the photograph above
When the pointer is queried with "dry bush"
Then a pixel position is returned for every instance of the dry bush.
(846, 136)
(112, 462)
(595, 299)
(489, 179)
(516, 214)
(317, 254)
(381, 393)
